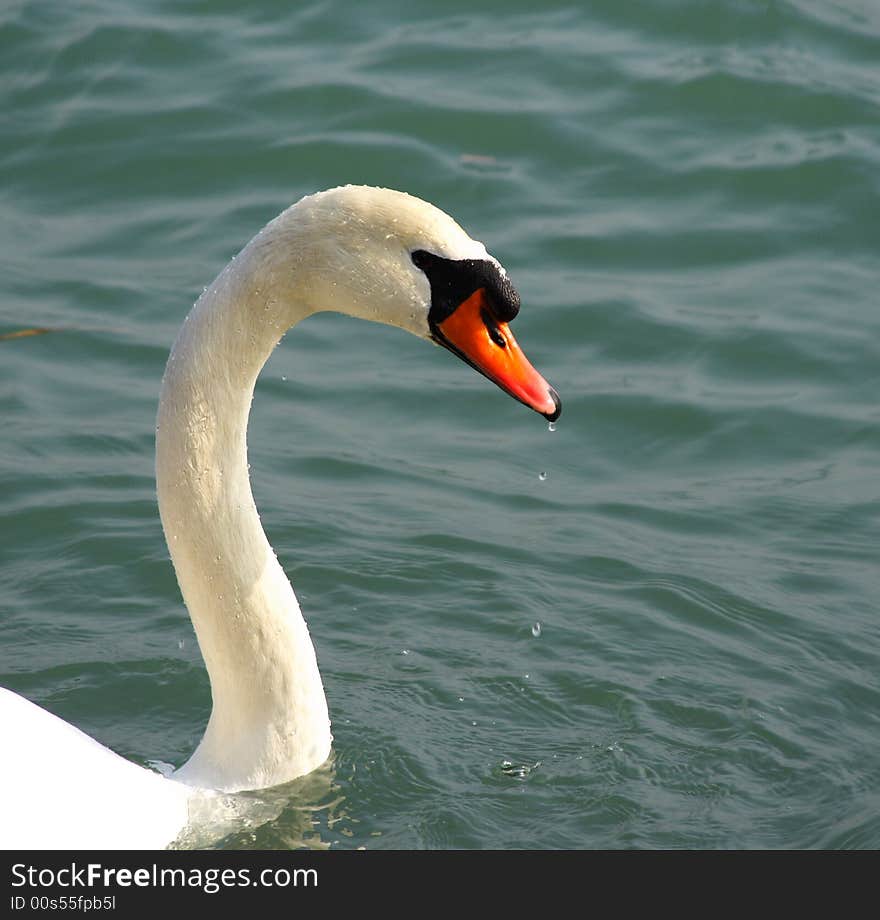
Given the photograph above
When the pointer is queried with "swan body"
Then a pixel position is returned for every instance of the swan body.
(371, 253)
(63, 790)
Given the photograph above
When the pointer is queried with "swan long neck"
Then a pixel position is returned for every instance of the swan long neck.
(269, 720)
(347, 249)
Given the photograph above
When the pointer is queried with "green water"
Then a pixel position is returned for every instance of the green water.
(686, 196)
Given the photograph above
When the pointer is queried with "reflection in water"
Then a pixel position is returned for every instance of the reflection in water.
(302, 814)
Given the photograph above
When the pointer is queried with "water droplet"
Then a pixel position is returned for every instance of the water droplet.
(405, 651)
(536, 630)
(551, 426)
(283, 377)
(542, 476)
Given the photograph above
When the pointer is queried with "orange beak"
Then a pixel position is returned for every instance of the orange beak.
(477, 337)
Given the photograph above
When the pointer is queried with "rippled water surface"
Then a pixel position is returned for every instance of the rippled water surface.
(657, 625)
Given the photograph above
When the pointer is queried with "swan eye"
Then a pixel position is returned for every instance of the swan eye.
(453, 281)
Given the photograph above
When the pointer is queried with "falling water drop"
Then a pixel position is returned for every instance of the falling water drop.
(551, 426)
(542, 476)
(536, 630)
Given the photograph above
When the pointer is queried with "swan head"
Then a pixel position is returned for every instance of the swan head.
(390, 257)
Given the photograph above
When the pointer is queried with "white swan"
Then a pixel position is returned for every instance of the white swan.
(371, 253)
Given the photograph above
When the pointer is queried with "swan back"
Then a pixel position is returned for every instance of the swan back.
(65, 790)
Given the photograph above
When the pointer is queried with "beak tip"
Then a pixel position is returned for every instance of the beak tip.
(557, 407)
